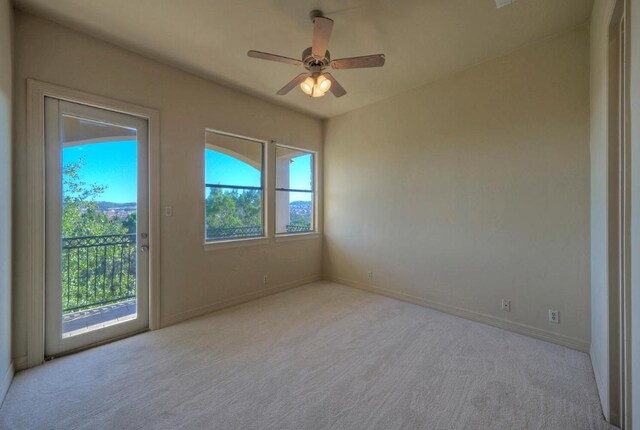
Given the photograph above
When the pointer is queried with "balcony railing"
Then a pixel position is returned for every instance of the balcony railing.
(97, 270)
(298, 228)
(248, 231)
(233, 232)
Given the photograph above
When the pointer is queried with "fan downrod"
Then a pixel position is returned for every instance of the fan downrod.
(315, 14)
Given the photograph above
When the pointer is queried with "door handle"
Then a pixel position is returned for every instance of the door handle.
(144, 248)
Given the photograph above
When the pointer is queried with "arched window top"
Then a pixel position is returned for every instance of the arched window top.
(231, 160)
(225, 168)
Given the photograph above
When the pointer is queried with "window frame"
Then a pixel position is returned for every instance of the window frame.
(314, 193)
(237, 241)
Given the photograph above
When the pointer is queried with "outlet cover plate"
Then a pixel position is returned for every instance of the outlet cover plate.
(506, 305)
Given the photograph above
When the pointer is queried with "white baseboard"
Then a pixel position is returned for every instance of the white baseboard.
(570, 342)
(602, 383)
(6, 382)
(216, 306)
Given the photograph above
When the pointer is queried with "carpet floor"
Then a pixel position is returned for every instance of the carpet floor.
(322, 356)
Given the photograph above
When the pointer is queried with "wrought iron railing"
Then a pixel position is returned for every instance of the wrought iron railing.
(98, 270)
(297, 228)
(233, 232)
(248, 231)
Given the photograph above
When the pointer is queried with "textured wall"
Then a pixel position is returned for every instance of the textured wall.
(472, 189)
(192, 277)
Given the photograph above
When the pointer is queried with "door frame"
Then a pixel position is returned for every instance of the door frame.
(619, 216)
(36, 93)
(56, 343)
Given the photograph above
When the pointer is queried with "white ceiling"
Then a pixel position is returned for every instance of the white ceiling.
(423, 40)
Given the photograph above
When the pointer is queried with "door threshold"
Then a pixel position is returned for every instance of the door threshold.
(93, 345)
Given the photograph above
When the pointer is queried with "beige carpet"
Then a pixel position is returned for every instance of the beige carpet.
(322, 356)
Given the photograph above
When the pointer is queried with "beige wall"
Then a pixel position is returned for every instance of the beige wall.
(6, 70)
(472, 189)
(192, 279)
(598, 148)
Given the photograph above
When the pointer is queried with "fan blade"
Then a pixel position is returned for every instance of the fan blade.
(359, 62)
(273, 57)
(321, 32)
(292, 84)
(336, 88)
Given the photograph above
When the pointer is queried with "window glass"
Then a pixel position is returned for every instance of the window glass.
(233, 188)
(294, 190)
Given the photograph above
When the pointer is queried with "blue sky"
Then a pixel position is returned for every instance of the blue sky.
(111, 164)
(114, 165)
(300, 175)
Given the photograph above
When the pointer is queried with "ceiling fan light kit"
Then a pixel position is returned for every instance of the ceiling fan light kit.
(315, 86)
(316, 82)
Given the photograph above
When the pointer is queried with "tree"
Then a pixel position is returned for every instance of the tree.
(228, 211)
(130, 223)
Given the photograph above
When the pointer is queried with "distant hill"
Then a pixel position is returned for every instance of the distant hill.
(300, 205)
(105, 206)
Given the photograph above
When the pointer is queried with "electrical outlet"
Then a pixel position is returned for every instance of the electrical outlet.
(370, 275)
(506, 305)
(168, 211)
(554, 316)
(265, 280)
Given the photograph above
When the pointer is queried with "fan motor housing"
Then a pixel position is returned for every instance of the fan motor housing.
(309, 61)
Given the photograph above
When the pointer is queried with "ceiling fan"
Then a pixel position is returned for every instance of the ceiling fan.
(316, 82)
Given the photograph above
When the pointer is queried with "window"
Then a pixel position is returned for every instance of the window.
(294, 190)
(234, 203)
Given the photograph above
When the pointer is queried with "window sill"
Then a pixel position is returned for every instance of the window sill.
(235, 243)
(297, 236)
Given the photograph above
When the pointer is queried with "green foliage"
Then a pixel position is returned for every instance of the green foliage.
(130, 222)
(226, 209)
(300, 220)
